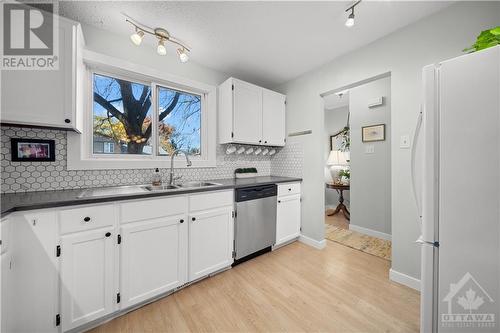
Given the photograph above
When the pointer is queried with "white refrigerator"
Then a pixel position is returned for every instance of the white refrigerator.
(458, 135)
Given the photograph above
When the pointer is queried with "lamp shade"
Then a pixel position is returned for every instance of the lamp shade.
(337, 158)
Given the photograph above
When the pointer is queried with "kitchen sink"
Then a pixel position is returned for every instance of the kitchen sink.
(113, 191)
(162, 188)
(197, 184)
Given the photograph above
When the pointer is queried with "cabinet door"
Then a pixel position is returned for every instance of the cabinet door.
(288, 218)
(42, 97)
(247, 112)
(33, 280)
(153, 258)
(210, 241)
(87, 266)
(273, 118)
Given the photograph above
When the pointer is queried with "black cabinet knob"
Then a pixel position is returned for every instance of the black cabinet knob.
(279, 201)
(107, 234)
(289, 189)
(193, 219)
(67, 121)
(265, 141)
(260, 141)
(86, 219)
(181, 221)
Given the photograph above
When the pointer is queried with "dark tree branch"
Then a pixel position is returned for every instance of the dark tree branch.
(109, 107)
(170, 108)
(165, 113)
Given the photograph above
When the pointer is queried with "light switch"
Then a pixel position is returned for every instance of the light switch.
(404, 141)
(369, 149)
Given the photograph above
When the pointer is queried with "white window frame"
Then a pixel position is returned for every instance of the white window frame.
(80, 154)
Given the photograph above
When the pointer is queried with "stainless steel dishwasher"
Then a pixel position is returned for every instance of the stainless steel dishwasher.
(255, 226)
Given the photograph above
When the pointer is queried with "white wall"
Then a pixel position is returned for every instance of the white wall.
(371, 172)
(335, 121)
(403, 53)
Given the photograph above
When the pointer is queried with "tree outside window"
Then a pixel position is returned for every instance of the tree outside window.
(123, 117)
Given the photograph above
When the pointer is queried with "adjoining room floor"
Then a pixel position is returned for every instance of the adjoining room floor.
(337, 220)
(295, 289)
(337, 230)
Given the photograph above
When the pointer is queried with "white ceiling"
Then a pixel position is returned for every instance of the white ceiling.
(267, 43)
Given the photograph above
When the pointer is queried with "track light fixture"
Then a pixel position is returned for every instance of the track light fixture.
(183, 56)
(350, 19)
(162, 35)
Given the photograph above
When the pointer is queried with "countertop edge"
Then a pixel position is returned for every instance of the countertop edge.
(84, 201)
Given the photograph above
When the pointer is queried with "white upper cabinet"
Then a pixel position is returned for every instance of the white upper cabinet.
(273, 118)
(48, 98)
(247, 114)
(250, 114)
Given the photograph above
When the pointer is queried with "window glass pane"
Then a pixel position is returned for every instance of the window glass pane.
(179, 122)
(121, 117)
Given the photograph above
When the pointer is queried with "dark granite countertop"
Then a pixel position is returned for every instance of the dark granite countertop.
(12, 202)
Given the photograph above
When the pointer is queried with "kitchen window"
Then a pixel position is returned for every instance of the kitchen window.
(138, 120)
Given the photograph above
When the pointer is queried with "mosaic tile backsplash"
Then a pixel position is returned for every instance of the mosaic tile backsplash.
(43, 176)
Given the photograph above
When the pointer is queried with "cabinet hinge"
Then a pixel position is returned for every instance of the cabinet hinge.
(232, 134)
(234, 214)
(119, 240)
(58, 319)
(118, 298)
(232, 87)
(234, 254)
(58, 250)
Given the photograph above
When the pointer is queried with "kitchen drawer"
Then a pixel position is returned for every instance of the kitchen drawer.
(152, 208)
(86, 218)
(289, 188)
(210, 200)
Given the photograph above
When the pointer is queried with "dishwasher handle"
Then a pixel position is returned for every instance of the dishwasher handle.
(256, 192)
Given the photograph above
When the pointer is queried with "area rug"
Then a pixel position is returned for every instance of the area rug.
(368, 244)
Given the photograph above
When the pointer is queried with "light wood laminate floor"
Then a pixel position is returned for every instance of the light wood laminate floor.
(293, 289)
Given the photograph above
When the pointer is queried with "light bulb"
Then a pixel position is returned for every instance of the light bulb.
(183, 56)
(136, 37)
(161, 49)
(350, 20)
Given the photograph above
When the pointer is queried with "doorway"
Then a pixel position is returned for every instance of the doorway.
(357, 155)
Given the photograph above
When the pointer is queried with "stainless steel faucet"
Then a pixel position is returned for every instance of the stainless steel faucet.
(172, 179)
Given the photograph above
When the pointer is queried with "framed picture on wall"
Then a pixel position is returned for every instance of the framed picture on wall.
(32, 150)
(373, 133)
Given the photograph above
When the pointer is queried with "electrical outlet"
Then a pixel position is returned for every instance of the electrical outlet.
(369, 149)
(404, 141)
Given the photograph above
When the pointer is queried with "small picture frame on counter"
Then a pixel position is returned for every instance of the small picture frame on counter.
(32, 150)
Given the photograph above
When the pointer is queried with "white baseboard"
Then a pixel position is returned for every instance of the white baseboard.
(312, 242)
(370, 232)
(404, 279)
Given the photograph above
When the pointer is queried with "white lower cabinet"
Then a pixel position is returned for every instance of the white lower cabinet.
(64, 269)
(87, 276)
(210, 241)
(153, 258)
(288, 214)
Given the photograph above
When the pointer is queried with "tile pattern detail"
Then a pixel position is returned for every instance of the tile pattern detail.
(41, 176)
(289, 161)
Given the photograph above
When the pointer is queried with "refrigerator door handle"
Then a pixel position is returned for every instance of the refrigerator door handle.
(421, 241)
(413, 158)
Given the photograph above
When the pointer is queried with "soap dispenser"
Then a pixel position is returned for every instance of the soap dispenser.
(156, 181)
